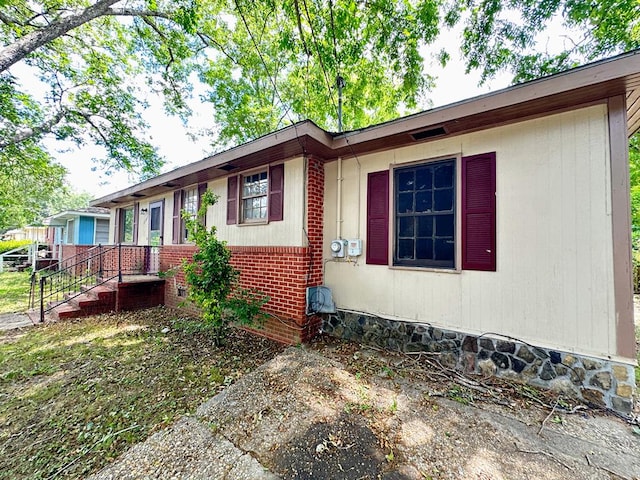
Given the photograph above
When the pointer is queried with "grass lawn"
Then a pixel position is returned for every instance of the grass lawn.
(638, 354)
(14, 291)
(75, 395)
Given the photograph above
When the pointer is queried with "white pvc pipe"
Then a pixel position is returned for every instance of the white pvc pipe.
(339, 201)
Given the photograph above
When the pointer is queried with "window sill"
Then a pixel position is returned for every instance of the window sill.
(426, 269)
(251, 224)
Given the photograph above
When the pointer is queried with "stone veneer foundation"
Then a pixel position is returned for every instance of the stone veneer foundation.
(603, 383)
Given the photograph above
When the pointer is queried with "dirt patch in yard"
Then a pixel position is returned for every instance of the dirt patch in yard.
(376, 415)
(74, 396)
(330, 450)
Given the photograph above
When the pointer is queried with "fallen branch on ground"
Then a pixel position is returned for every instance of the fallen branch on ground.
(548, 416)
(611, 472)
(547, 454)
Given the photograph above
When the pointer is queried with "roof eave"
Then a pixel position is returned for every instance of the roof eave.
(295, 136)
(624, 68)
(588, 84)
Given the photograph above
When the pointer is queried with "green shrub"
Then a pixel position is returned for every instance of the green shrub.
(7, 245)
(213, 282)
(635, 257)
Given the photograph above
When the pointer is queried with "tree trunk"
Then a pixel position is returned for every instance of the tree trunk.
(34, 40)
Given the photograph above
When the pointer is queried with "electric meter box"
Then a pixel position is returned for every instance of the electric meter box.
(338, 248)
(354, 249)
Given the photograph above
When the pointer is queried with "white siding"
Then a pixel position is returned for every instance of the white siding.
(102, 231)
(554, 281)
(112, 226)
(288, 232)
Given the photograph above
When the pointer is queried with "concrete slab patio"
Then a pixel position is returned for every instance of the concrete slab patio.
(303, 416)
(9, 321)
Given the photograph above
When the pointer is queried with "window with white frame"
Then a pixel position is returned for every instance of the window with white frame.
(71, 231)
(190, 206)
(254, 190)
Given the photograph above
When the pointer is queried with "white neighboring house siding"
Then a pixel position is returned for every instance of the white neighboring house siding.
(554, 281)
(101, 231)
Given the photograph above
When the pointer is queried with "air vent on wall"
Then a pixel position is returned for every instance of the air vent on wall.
(227, 168)
(431, 132)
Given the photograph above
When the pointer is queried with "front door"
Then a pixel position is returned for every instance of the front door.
(155, 224)
(156, 221)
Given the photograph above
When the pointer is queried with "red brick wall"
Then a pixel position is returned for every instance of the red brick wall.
(72, 256)
(171, 257)
(139, 295)
(282, 273)
(134, 259)
(279, 272)
(69, 251)
(315, 218)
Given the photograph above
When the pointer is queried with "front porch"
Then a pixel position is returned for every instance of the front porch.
(97, 279)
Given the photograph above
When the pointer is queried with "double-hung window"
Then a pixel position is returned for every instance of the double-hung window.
(187, 200)
(425, 219)
(420, 227)
(254, 197)
(190, 206)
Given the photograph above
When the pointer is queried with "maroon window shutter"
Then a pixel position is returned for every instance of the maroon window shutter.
(116, 230)
(232, 200)
(136, 216)
(177, 204)
(276, 192)
(201, 189)
(479, 212)
(378, 218)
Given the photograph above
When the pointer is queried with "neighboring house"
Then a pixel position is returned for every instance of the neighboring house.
(33, 233)
(77, 227)
(495, 231)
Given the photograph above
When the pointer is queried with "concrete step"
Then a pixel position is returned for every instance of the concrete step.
(92, 301)
(138, 292)
(34, 316)
(104, 292)
(84, 300)
(65, 310)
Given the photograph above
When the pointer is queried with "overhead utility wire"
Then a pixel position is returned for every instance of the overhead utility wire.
(333, 35)
(271, 79)
(315, 42)
(340, 83)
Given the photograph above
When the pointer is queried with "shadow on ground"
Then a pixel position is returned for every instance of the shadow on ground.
(303, 416)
